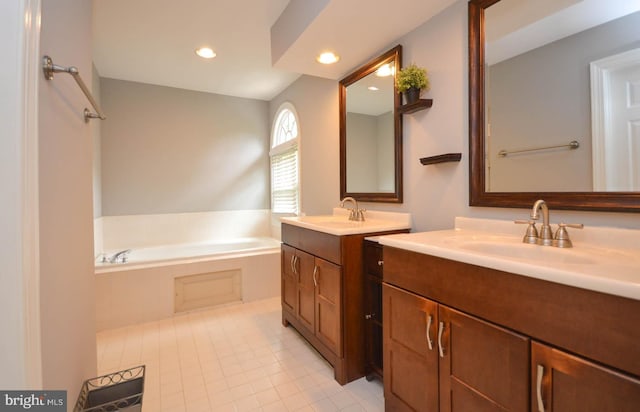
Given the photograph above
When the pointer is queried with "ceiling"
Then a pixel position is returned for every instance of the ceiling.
(153, 41)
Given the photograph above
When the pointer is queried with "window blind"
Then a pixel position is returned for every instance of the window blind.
(284, 181)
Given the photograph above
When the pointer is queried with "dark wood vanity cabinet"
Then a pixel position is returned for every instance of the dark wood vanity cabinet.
(437, 358)
(564, 382)
(323, 294)
(311, 290)
(459, 337)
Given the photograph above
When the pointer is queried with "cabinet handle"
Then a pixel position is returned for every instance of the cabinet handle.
(440, 330)
(380, 262)
(315, 272)
(429, 341)
(539, 377)
(293, 265)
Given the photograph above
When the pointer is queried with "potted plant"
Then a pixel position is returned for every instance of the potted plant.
(410, 81)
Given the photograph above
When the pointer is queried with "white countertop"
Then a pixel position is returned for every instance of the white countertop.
(602, 259)
(339, 224)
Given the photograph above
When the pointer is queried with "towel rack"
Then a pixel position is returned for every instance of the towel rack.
(571, 146)
(49, 68)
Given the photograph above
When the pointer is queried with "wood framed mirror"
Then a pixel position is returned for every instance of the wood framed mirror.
(371, 131)
(538, 159)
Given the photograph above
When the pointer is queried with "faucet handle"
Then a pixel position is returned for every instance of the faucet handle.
(531, 235)
(561, 238)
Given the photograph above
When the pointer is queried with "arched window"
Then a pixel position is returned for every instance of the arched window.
(285, 163)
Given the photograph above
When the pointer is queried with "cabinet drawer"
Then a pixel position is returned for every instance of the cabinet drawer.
(320, 244)
(373, 258)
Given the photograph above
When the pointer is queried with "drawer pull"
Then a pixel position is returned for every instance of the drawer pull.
(440, 330)
(429, 341)
(540, 375)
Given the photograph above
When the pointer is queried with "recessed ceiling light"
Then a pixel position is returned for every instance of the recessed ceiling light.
(373, 88)
(384, 71)
(205, 53)
(328, 58)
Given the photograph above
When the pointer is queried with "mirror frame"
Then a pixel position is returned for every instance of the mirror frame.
(395, 55)
(478, 196)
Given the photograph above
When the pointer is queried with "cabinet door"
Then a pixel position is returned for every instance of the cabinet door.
(306, 290)
(372, 255)
(564, 383)
(483, 367)
(289, 280)
(410, 352)
(328, 280)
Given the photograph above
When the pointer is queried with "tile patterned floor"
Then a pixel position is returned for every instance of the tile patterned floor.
(232, 358)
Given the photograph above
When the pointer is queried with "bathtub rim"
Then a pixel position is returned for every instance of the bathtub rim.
(102, 269)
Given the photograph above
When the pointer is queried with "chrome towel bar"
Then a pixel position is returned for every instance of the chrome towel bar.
(49, 68)
(572, 145)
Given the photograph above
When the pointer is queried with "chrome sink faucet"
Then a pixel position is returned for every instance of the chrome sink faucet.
(356, 214)
(545, 237)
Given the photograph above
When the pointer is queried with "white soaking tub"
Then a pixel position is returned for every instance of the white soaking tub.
(155, 282)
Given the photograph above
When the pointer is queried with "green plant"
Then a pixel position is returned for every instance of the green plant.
(412, 76)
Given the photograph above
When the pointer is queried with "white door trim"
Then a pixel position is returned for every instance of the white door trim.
(30, 222)
(601, 110)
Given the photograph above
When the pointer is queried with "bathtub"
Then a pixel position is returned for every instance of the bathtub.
(145, 287)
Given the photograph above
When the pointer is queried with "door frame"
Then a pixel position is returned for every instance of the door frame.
(601, 117)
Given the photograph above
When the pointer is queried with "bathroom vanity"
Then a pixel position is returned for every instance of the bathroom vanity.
(323, 286)
(472, 323)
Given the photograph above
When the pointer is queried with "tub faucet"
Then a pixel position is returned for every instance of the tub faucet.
(356, 214)
(545, 237)
(120, 257)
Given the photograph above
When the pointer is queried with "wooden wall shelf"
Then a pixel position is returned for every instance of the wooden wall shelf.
(421, 104)
(443, 158)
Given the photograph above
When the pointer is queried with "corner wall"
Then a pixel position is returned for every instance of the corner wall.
(433, 194)
(316, 102)
(66, 211)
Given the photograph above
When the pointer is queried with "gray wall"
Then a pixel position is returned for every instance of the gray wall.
(370, 137)
(168, 150)
(362, 147)
(316, 102)
(96, 128)
(542, 98)
(67, 307)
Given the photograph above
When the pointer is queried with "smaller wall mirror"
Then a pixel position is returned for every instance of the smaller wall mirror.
(371, 131)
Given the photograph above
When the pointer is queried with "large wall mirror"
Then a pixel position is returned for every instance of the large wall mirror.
(371, 131)
(554, 103)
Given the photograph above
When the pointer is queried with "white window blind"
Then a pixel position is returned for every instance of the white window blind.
(284, 181)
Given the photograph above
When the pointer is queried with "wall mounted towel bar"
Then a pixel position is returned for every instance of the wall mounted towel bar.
(572, 145)
(49, 68)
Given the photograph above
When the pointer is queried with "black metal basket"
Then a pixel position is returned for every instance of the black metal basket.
(118, 391)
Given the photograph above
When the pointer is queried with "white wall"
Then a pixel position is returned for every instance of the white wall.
(66, 210)
(15, 322)
(316, 102)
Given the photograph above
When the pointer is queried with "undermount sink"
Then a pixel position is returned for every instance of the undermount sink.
(602, 259)
(528, 252)
(339, 224)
